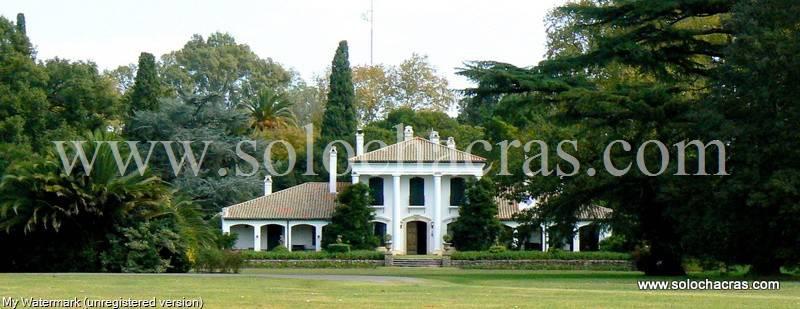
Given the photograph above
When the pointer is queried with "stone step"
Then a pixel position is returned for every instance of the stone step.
(417, 262)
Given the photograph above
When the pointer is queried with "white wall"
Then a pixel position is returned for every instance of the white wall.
(244, 239)
(303, 235)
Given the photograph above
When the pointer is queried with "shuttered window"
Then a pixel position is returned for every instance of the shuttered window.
(376, 190)
(416, 196)
(457, 187)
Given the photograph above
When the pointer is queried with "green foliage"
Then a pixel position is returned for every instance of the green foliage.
(338, 248)
(219, 65)
(147, 86)
(538, 255)
(352, 219)
(149, 247)
(21, 23)
(270, 110)
(497, 249)
(315, 255)
(212, 260)
(335, 264)
(339, 119)
(199, 119)
(280, 249)
(423, 121)
(477, 226)
(615, 243)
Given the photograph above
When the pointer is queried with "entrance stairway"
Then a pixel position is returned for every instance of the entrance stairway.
(417, 261)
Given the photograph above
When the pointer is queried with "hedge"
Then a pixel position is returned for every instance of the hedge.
(313, 255)
(313, 264)
(538, 255)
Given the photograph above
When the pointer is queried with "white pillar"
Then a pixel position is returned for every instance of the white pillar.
(396, 233)
(288, 238)
(576, 241)
(318, 235)
(355, 177)
(544, 237)
(257, 238)
(267, 185)
(437, 213)
(226, 228)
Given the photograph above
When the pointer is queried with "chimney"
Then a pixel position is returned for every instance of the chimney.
(408, 133)
(332, 170)
(434, 137)
(267, 185)
(451, 143)
(359, 142)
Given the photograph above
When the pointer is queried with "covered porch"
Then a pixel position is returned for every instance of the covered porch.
(265, 235)
(587, 236)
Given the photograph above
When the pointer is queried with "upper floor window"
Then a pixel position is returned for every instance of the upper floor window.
(416, 192)
(376, 190)
(457, 187)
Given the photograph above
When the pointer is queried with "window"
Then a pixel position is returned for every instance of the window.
(457, 191)
(416, 196)
(376, 190)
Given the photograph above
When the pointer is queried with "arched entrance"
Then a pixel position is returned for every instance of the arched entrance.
(589, 236)
(416, 237)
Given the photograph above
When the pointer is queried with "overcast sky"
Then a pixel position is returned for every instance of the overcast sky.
(300, 34)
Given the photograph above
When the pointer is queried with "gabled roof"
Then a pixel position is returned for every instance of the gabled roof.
(506, 210)
(417, 150)
(308, 201)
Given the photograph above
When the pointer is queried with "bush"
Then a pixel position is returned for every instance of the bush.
(279, 248)
(497, 249)
(313, 264)
(312, 255)
(215, 260)
(615, 243)
(538, 255)
(338, 248)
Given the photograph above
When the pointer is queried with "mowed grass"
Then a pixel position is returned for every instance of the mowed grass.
(435, 288)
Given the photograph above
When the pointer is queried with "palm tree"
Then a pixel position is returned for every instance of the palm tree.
(38, 194)
(270, 110)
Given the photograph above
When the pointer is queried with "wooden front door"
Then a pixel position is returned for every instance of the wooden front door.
(416, 241)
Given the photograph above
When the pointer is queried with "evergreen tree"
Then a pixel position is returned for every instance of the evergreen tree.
(352, 219)
(146, 88)
(21, 23)
(477, 226)
(339, 119)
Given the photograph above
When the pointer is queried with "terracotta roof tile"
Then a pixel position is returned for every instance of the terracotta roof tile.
(311, 200)
(506, 210)
(417, 149)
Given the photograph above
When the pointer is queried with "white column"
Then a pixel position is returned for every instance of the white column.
(257, 238)
(318, 235)
(288, 238)
(396, 237)
(355, 177)
(576, 241)
(226, 228)
(544, 238)
(437, 213)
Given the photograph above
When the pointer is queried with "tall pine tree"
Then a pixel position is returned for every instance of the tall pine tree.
(21, 23)
(146, 88)
(339, 120)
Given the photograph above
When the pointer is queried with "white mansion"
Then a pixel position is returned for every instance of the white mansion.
(417, 186)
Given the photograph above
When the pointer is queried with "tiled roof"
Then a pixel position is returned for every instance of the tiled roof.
(311, 200)
(417, 149)
(506, 210)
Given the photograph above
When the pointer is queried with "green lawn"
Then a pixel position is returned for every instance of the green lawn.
(435, 288)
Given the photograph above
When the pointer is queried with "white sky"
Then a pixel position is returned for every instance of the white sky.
(299, 34)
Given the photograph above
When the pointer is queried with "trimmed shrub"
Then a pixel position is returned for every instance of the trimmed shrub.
(338, 248)
(312, 255)
(215, 260)
(538, 255)
(497, 249)
(280, 248)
